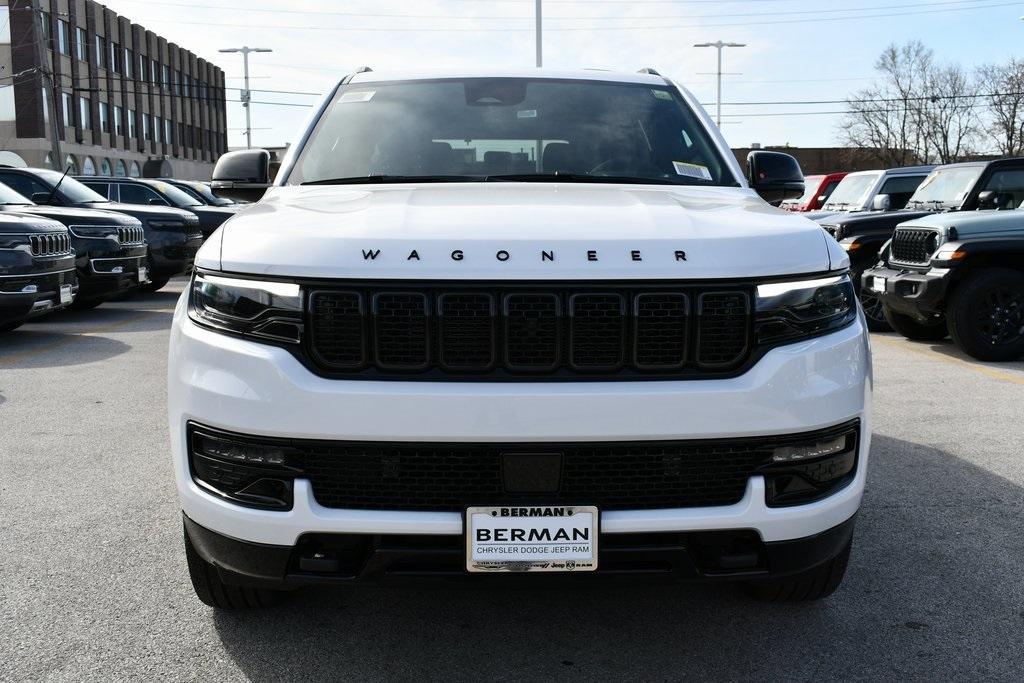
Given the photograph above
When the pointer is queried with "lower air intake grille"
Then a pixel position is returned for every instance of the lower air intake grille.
(562, 331)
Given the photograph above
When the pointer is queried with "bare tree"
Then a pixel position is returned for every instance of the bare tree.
(1003, 85)
(888, 115)
(948, 114)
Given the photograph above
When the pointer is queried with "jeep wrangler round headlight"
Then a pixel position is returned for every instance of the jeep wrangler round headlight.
(789, 311)
(252, 308)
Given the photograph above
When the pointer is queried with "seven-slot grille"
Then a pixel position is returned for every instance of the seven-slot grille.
(130, 235)
(561, 330)
(50, 244)
(913, 245)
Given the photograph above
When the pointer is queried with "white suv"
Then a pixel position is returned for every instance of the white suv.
(517, 326)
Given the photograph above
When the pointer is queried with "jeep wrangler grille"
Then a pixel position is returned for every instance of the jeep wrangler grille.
(913, 245)
(562, 330)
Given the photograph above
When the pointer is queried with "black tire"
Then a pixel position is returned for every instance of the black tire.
(212, 591)
(156, 284)
(872, 305)
(985, 315)
(85, 304)
(11, 326)
(912, 329)
(814, 584)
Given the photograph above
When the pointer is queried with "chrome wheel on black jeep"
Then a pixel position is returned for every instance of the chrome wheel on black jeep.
(986, 315)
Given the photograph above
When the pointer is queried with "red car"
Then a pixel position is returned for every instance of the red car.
(818, 188)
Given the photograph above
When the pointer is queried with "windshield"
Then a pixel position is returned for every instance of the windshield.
(945, 186)
(74, 191)
(510, 128)
(9, 196)
(852, 192)
(204, 193)
(176, 196)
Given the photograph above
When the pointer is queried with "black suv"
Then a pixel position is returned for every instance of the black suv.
(159, 193)
(954, 187)
(110, 249)
(173, 235)
(37, 268)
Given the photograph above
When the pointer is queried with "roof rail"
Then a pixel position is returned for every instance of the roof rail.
(649, 70)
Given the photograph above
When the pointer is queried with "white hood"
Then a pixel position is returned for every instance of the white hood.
(516, 231)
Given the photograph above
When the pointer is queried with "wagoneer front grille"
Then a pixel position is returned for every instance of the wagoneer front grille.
(530, 330)
(913, 245)
(50, 244)
(130, 236)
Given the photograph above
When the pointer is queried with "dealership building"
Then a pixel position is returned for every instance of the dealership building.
(128, 103)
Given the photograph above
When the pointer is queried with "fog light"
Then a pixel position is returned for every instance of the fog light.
(248, 453)
(806, 452)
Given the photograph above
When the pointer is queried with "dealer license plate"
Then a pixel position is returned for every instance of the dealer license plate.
(65, 295)
(878, 284)
(143, 273)
(532, 538)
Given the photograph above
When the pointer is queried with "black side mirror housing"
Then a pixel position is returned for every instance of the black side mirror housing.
(242, 175)
(40, 197)
(775, 176)
(989, 199)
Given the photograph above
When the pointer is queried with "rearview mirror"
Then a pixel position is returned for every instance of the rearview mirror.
(244, 175)
(775, 176)
(881, 202)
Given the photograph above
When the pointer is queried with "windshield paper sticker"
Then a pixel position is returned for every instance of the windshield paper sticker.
(662, 94)
(361, 96)
(526, 114)
(692, 170)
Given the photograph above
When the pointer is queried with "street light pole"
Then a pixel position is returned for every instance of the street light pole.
(540, 44)
(246, 95)
(719, 45)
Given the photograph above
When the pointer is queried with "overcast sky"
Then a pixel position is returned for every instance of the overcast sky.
(798, 50)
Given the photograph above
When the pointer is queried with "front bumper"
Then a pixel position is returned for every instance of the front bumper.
(352, 558)
(33, 287)
(104, 274)
(250, 388)
(173, 252)
(918, 293)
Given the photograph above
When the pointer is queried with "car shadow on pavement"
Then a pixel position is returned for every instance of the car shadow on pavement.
(25, 349)
(949, 349)
(933, 586)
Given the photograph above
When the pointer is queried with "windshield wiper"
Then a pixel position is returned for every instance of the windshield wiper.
(583, 178)
(373, 179)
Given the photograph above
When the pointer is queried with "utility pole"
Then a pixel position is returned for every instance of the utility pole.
(719, 45)
(540, 42)
(246, 94)
(49, 87)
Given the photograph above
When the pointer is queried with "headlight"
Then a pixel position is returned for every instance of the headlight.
(166, 225)
(788, 311)
(93, 231)
(13, 241)
(253, 308)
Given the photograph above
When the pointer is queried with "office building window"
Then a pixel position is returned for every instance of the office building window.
(120, 170)
(143, 68)
(168, 131)
(63, 37)
(104, 117)
(66, 108)
(81, 44)
(46, 106)
(147, 130)
(118, 120)
(101, 52)
(84, 113)
(88, 166)
(167, 76)
(131, 123)
(105, 168)
(115, 57)
(129, 63)
(134, 170)
(154, 72)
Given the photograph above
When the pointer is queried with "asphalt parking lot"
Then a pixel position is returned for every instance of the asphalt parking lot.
(93, 583)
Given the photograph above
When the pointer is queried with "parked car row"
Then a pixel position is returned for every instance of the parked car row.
(923, 266)
(63, 244)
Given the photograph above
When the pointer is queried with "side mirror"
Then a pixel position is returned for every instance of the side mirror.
(774, 176)
(989, 199)
(40, 197)
(244, 175)
(881, 202)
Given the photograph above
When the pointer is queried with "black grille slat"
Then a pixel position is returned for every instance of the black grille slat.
(568, 330)
(466, 329)
(532, 331)
(910, 245)
(597, 331)
(400, 330)
(50, 244)
(723, 328)
(660, 330)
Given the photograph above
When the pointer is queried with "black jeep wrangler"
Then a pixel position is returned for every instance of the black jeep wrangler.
(954, 187)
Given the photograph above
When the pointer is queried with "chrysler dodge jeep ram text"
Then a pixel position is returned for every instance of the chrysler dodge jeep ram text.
(37, 268)
(172, 235)
(515, 326)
